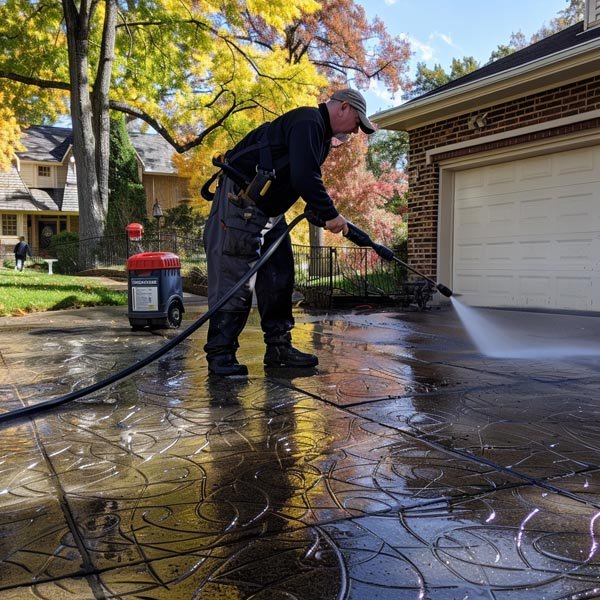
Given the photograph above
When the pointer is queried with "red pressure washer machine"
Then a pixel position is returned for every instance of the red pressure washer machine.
(155, 290)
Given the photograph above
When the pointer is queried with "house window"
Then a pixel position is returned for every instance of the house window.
(43, 171)
(9, 224)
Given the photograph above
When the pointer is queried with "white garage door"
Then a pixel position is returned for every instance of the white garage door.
(527, 232)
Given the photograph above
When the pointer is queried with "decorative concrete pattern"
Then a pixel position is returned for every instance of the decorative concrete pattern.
(406, 466)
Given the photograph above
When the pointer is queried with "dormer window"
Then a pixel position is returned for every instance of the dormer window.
(43, 171)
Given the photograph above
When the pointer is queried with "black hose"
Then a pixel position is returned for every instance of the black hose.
(48, 404)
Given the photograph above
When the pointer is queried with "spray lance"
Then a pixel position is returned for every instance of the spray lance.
(361, 238)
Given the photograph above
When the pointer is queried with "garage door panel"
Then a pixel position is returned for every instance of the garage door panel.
(499, 254)
(469, 217)
(535, 253)
(578, 211)
(498, 175)
(575, 162)
(574, 292)
(575, 252)
(470, 255)
(535, 286)
(535, 210)
(473, 180)
(497, 284)
(527, 233)
(536, 170)
(501, 213)
(469, 284)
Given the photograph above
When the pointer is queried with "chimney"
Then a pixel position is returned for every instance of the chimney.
(592, 14)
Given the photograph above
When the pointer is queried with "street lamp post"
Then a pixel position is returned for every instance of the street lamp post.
(157, 213)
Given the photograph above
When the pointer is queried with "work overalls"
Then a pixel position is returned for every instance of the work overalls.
(236, 234)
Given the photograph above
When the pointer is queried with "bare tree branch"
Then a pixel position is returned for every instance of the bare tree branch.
(155, 124)
(36, 81)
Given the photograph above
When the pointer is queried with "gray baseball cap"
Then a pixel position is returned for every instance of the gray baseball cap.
(355, 100)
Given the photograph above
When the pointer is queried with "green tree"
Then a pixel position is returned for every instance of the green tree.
(573, 13)
(185, 68)
(387, 148)
(518, 41)
(10, 133)
(184, 220)
(463, 66)
(428, 79)
(345, 48)
(127, 198)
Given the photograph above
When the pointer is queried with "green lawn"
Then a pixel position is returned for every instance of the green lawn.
(32, 291)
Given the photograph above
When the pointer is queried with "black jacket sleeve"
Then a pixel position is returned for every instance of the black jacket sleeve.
(306, 152)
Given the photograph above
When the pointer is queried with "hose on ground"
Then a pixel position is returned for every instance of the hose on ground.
(75, 394)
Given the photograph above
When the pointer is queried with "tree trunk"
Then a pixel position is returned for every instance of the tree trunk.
(318, 265)
(92, 212)
(100, 100)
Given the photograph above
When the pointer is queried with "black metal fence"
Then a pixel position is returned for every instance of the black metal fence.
(325, 276)
(347, 275)
(112, 252)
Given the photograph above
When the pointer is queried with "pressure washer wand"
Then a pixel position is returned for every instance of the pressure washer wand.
(361, 238)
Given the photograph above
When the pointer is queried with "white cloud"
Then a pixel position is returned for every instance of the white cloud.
(444, 37)
(424, 49)
(378, 98)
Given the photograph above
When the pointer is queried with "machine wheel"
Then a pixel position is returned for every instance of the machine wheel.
(175, 314)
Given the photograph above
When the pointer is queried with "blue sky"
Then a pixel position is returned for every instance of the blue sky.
(439, 30)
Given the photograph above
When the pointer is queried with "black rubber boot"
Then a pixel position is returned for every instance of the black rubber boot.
(285, 355)
(222, 343)
(226, 365)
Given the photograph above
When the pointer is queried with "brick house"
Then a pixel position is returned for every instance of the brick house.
(38, 195)
(504, 176)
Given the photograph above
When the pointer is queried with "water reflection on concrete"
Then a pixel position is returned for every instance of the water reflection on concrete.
(407, 466)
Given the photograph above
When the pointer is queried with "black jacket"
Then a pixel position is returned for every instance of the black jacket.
(299, 141)
(22, 250)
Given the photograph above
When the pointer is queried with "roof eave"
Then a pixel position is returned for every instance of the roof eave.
(555, 69)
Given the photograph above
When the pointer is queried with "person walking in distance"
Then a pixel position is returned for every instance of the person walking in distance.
(22, 251)
(260, 179)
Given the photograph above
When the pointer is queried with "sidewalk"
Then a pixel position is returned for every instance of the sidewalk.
(407, 466)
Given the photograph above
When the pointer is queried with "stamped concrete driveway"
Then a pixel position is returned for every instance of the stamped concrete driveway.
(407, 466)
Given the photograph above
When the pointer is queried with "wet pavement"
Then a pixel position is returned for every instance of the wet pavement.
(406, 466)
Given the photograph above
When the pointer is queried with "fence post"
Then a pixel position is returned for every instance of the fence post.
(331, 252)
(365, 271)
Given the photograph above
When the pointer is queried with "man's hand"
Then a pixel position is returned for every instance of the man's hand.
(337, 225)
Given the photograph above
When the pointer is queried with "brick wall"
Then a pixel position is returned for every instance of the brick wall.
(552, 104)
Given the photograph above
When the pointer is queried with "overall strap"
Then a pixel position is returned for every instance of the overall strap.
(265, 158)
(264, 166)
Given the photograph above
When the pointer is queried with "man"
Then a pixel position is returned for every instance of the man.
(22, 250)
(262, 178)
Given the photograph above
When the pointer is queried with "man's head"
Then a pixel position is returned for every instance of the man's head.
(22, 238)
(348, 112)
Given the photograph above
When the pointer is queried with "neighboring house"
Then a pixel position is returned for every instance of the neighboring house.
(38, 195)
(504, 176)
(157, 172)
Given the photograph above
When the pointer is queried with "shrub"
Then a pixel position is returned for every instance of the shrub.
(65, 247)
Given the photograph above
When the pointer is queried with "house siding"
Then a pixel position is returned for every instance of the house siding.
(564, 101)
(170, 191)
